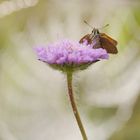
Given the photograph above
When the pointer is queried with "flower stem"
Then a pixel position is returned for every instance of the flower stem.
(74, 107)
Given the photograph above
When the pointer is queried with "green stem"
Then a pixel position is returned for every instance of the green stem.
(74, 107)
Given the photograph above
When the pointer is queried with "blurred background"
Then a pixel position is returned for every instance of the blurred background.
(33, 98)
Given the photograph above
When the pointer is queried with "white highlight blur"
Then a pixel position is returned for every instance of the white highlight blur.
(8, 7)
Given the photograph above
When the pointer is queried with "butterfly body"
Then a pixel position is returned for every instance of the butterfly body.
(100, 40)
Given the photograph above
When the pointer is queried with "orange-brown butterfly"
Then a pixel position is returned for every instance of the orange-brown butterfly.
(100, 40)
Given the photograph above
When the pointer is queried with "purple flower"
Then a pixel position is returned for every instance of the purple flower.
(70, 53)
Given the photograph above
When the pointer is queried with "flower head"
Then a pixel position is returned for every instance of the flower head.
(70, 54)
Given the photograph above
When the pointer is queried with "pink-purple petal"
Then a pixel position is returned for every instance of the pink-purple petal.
(67, 52)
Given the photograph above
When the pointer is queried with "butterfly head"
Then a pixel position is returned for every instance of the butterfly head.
(94, 33)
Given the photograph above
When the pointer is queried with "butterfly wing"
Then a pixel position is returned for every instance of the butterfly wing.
(101, 40)
(86, 38)
(108, 43)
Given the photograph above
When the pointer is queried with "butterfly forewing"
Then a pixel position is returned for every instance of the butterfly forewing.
(86, 38)
(108, 43)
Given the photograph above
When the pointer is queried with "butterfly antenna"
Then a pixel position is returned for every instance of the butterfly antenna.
(92, 26)
(104, 26)
(88, 24)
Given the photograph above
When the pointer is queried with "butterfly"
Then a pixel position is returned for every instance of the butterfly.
(100, 40)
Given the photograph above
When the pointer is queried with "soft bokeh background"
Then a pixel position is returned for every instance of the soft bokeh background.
(33, 98)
